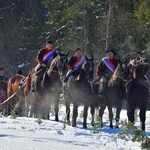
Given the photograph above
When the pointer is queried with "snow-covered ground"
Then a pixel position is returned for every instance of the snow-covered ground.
(27, 134)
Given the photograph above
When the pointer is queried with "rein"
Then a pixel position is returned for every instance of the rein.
(117, 76)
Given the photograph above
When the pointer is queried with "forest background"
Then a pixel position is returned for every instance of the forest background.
(92, 25)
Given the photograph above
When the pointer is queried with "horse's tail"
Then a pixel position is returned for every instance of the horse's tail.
(9, 87)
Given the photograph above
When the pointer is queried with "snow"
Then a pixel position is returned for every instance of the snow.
(27, 134)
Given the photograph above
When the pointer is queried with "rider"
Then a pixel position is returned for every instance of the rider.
(105, 70)
(75, 63)
(3, 85)
(130, 67)
(44, 58)
(3, 77)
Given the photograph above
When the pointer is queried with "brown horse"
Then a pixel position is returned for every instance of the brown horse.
(13, 88)
(80, 92)
(138, 92)
(49, 87)
(113, 93)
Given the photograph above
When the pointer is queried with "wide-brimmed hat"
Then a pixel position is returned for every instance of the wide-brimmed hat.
(138, 52)
(112, 50)
(49, 42)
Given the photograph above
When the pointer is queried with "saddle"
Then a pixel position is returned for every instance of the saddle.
(35, 79)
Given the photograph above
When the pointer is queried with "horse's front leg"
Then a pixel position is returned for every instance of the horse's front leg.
(130, 113)
(101, 113)
(57, 106)
(110, 116)
(75, 114)
(67, 104)
(85, 114)
(142, 118)
(117, 118)
(92, 114)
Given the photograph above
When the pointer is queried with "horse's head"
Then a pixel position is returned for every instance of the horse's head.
(140, 68)
(62, 64)
(119, 74)
(88, 67)
(121, 70)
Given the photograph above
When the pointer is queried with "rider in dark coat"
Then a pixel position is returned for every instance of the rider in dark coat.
(44, 59)
(105, 70)
(3, 85)
(3, 77)
(131, 66)
(75, 63)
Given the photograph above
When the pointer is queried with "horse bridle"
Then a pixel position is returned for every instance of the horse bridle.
(64, 67)
(121, 76)
(91, 68)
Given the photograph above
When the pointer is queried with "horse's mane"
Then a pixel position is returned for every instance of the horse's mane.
(114, 77)
(54, 61)
(141, 68)
(53, 64)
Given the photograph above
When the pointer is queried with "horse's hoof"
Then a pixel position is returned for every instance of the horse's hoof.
(111, 126)
(84, 127)
(117, 127)
(73, 124)
(68, 123)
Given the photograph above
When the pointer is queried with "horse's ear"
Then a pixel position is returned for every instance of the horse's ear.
(86, 57)
(92, 57)
(67, 53)
(119, 61)
(59, 53)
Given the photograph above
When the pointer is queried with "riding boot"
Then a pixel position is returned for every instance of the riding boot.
(101, 87)
(66, 84)
(34, 84)
(69, 79)
(66, 79)
(127, 85)
(100, 90)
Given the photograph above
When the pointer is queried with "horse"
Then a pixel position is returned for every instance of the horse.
(138, 92)
(80, 92)
(14, 88)
(113, 93)
(50, 87)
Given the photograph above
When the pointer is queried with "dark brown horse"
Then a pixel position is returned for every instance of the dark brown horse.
(80, 92)
(138, 92)
(50, 87)
(113, 93)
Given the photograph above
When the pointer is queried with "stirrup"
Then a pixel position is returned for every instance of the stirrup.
(100, 95)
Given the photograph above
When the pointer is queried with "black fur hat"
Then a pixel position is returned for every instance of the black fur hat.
(111, 50)
(138, 52)
(49, 42)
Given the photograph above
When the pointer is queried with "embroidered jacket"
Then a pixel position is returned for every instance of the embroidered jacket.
(75, 62)
(106, 68)
(45, 56)
(72, 61)
(41, 54)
